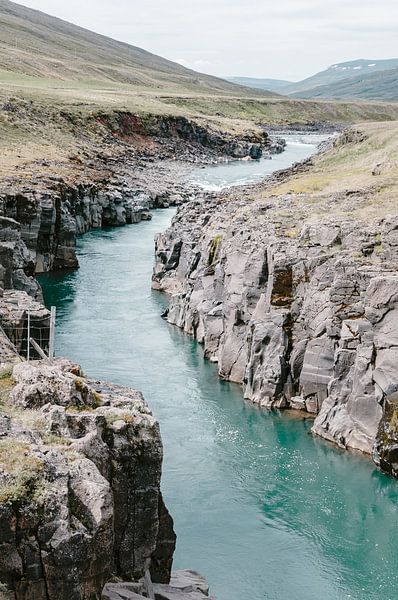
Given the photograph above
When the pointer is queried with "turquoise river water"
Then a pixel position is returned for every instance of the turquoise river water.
(261, 508)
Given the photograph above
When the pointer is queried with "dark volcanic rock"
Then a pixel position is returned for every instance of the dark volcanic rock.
(80, 501)
(303, 312)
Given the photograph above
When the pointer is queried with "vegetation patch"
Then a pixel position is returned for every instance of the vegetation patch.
(214, 249)
(23, 472)
(6, 385)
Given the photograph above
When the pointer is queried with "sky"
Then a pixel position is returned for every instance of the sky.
(283, 39)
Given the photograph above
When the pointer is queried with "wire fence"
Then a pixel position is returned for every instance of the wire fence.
(31, 335)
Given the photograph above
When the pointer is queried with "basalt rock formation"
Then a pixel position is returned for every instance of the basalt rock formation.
(45, 224)
(80, 500)
(302, 310)
(126, 167)
(17, 266)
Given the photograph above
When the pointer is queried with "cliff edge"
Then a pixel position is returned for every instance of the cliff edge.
(80, 500)
(292, 288)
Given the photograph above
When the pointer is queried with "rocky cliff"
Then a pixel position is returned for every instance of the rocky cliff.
(80, 501)
(295, 296)
(81, 510)
(126, 167)
(47, 223)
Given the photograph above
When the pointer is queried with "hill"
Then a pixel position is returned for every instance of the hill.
(272, 85)
(382, 85)
(340, 72)
(361, 79)
(35, 44)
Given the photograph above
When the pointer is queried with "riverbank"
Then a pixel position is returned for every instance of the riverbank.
(249, 490)
(212, 484)
(292, 303)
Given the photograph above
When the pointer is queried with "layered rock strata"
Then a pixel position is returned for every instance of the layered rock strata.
(302, 311)
(80, 500)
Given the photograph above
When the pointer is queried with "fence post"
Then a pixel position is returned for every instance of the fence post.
(28, 338)
(39, 351)
(52, 333)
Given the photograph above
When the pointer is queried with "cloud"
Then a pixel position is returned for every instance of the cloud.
(267, 38)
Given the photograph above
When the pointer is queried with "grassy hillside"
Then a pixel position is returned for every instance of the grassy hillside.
(357, 177)
(340, 72)
(382, 85)
(33, 43)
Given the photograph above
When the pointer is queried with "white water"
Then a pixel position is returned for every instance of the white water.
(241, 172)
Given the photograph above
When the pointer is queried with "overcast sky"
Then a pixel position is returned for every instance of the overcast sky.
(286, 39)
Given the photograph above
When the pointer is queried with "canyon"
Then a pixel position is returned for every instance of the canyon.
(266, 429)
(81, 507)
(81, 459)
(299, 307)
(300, 311)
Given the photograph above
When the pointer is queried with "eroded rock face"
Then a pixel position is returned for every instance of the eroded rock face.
(17, 264)
(303, 314)
(45, 225)
(80, 500)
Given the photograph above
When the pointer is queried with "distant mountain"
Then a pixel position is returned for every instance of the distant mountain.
(365, 79)
(340, 72)
(36, 44)
(382, 85)
(273, 85)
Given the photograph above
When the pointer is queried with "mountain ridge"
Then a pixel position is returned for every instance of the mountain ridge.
(76, 53)
(381, 85)
(340, 72)
(334, 82)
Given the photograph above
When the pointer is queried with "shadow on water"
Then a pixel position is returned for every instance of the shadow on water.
(262, 508)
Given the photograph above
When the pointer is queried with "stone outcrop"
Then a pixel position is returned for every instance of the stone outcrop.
(302, 312)
(17, 264)
(39, 229)
(183, 585)
(80, 500)
(171, 130)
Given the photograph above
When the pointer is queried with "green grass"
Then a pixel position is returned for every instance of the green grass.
(324, 186)
(23, 470)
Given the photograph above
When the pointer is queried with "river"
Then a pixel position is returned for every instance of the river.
(261, 508)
